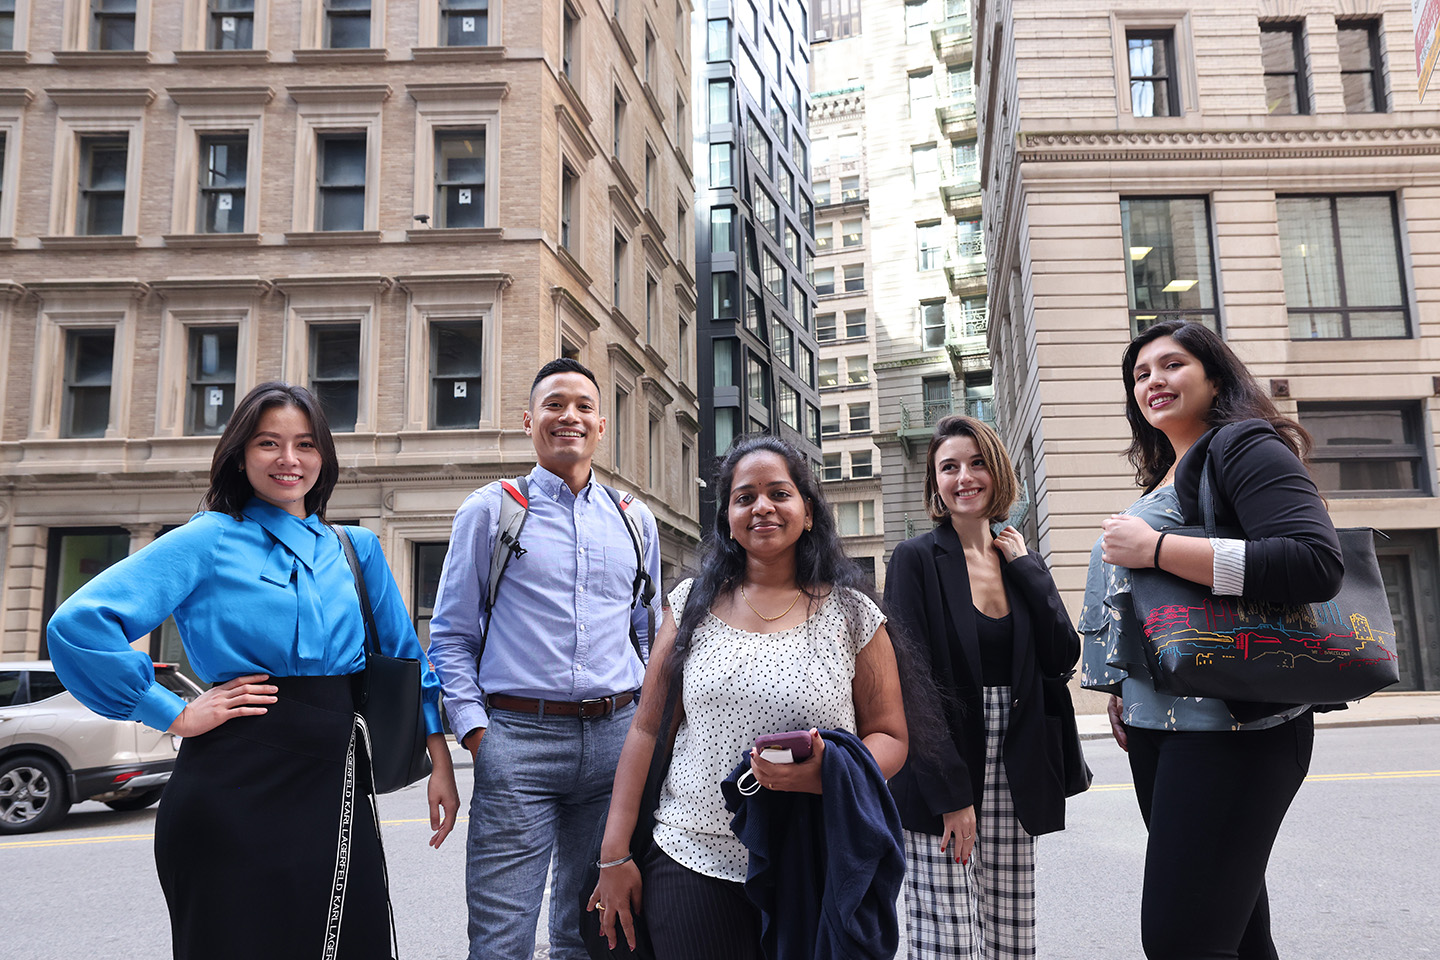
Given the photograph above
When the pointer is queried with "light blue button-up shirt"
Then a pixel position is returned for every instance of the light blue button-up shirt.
(270, 593)
(560, 629)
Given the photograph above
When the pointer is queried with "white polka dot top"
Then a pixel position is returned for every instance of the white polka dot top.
(738, 686)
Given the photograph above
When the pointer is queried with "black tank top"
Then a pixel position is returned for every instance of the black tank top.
(997, 643)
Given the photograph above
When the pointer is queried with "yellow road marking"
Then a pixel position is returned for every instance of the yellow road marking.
(1313, 778)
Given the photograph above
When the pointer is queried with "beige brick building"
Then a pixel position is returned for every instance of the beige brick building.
(1261, 165)
(409, 206)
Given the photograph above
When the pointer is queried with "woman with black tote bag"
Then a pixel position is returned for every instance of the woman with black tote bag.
(1214, 778)
(267, 839)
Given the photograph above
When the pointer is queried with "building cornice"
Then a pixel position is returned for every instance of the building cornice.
(377, 281)
(91, 97)
(1151, 145)
(218, 96)
(15, 97)
(341, 93)
(562, 295)
(253, 286)
(411, 281)
(422, 92)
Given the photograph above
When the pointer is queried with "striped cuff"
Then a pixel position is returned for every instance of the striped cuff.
(1229, 567)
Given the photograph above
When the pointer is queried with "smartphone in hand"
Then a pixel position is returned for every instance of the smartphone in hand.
(791, 747)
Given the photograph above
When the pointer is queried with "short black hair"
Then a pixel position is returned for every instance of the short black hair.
(563, 365)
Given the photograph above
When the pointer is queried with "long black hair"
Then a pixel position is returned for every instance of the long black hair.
(230, 488)
(1238, 397)
(820, 564)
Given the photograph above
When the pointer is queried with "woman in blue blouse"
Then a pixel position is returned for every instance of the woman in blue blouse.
(267, 822)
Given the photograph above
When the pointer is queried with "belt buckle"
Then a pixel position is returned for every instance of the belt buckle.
(607, 705)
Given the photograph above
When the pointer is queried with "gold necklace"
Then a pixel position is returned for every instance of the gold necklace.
(761, 615)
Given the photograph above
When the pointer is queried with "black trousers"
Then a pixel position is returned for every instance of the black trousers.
(1213, 803)
(695, 917)
(266, 841)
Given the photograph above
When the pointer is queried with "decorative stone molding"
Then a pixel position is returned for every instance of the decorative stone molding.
(1109, 145)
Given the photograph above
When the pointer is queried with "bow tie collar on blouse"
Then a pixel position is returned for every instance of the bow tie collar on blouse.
(293, 557)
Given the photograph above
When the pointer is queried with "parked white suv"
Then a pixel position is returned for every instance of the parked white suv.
(55, 752)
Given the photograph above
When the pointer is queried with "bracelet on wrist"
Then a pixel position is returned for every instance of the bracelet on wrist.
(602, 864)
(1158, 540)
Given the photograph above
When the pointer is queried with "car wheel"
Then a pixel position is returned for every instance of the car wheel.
(32, 795)
(136, 801)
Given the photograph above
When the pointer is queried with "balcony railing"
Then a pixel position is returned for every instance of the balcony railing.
(965, 266)
(960, 187)
(967, 340)
(952, 37)
(954, 108)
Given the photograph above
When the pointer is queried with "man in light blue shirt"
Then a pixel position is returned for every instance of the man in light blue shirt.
(546, 712)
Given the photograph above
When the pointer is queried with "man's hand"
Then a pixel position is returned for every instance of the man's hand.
(471, 742)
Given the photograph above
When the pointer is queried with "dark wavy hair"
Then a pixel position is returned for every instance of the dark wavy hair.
(230, 488)
(1238, 397)
(820, 563)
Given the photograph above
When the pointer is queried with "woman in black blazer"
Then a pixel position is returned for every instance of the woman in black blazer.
(986, 613)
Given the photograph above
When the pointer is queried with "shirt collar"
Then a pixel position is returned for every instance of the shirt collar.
(298, 535)
(553, 487)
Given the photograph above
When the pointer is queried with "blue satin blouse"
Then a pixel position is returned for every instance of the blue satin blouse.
(270, 593)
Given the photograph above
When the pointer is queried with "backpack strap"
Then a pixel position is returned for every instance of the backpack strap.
(643, 588)
(514, 508)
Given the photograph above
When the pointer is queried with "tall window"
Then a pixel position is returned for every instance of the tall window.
(649, 58)
(852, 233)
(717, 40)
(619, 435)
(722, 295)
(830, 420)
(1151, 55)
(825, 281)
(1367, 449)
(757, 142)
(765, 212)
(232, 25)
(832, 469)
(849, 189)
(859, 417)
(684, 349)
(932, 324)
(619, 264)
(824, 236)
(856, 518)
(569, 195)
(652, 307)
(1172, 271)
(649, 178)
(805, 364)
(455, 372)
(857, 370)
(1343, 274)
(774, 274)
(930, 239)
(464, 23)
(725, 429)
(723, 368)
(757, 380)
(657, 454)
(347, 24)
(1282, 54)
(825, 327)
(687, 476)
(211, 379)
(223, 160)
(924, 165)
(7, 24)
(782, 342)
(89, 367)
(854, 277)
(936, 397)
(917, 21)
(829, 372)
(340, 193)
(861, 464)
(722, 230)
(721, 162)
(570, 43)
(617, 124)
(821, 189)
(789, 406)
(720, 100)
(460, 179)
(1360, 66)
(112, 24)
(335, 373)
(101, 210)
(922, 92)
(854, 324)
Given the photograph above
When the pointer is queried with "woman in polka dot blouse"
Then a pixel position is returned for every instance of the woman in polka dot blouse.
(777, 633)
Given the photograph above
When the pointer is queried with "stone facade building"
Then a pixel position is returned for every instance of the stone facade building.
(408, 207)
(1262, 166)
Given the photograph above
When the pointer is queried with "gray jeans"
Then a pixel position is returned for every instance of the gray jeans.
(541, 784)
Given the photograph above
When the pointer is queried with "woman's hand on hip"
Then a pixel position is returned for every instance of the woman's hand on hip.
(617, 897)
(241, 697)
(443, 796)
(802, 777)
(1115, 710)
(1010, 544)
(957, 834)
(1128, 542)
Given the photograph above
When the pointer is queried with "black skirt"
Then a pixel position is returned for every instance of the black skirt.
(267, 840)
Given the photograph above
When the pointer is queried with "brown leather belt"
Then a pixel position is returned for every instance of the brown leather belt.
(600, 707)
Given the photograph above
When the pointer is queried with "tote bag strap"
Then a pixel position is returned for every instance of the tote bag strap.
(372, 641)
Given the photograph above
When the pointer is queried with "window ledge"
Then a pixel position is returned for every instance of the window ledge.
(457, 54)
(109, 242)
(573, 265)
(185, 240)
(101, 58)
(14, 58)
(322, 238)
(221, 58)
(454, 235)
(623, 322)
(346, 55)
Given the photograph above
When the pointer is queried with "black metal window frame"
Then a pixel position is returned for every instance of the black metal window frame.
(1168, 77)
(327, 187)
(215, 183)
(1412, 413)
(242, 37)
(1343, 308)
(1296, 31)
(1371, 27)
(1208, 316)
(337, 12)
(90, 194)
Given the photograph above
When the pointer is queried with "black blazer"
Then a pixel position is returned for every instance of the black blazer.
(927, 593)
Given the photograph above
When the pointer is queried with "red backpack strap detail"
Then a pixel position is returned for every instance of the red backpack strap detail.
(519, 497)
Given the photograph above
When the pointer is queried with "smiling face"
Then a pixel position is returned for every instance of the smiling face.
(1172, 390)
(282, 461)
(767, 513)
(564, 422)
(963, 479)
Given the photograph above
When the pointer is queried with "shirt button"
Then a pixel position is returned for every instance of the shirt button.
(1015, 704)
(582, 589)
(582, 628)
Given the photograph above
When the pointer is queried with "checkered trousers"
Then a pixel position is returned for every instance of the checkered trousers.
(984, 910)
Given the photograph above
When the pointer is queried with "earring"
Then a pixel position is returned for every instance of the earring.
(809, 523)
